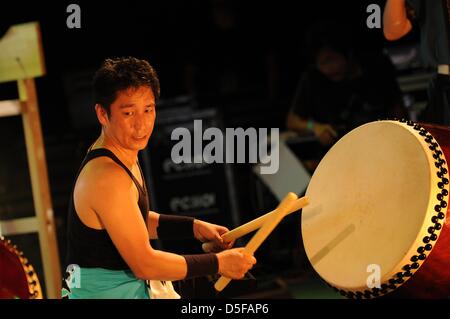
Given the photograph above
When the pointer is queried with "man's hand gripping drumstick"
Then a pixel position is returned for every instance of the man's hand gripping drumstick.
(266, 224)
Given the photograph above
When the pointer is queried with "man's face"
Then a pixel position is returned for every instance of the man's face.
(131, 119)
(332, 64)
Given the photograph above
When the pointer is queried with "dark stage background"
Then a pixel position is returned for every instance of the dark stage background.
(195, 46)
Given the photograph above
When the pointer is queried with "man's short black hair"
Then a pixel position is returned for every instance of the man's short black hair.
(329, 34)
(118, 74)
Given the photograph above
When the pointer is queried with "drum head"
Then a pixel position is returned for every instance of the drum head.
(370, 204)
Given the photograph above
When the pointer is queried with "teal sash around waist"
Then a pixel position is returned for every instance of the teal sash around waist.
(100, 283)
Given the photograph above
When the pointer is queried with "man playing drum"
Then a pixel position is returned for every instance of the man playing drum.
(109, 222)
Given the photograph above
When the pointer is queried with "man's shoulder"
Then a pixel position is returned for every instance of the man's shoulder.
(103, 172)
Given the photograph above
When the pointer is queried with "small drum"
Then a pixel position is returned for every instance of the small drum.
(377, 219)
(18, 279)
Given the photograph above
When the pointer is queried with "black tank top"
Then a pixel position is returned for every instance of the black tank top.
(89, 247)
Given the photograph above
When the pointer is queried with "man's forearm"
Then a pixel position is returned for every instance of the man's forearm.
(163, 226)
(395, 20)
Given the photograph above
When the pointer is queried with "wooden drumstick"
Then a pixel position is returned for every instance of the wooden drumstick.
(283, 208)
(255, 224)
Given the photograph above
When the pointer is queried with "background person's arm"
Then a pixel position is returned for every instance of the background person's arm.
(395, 20)
(325, 133)
(297, 123)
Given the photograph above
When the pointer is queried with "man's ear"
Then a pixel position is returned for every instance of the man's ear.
(102, 115)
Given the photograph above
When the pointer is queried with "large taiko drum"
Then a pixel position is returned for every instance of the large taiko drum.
(377, 220)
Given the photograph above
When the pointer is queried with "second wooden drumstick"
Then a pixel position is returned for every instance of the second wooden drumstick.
(255, 224)
(282, 210)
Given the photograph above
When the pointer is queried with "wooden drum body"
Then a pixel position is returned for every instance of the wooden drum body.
(18, 279)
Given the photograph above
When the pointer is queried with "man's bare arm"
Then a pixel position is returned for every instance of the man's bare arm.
(117, 209)
(120, 214)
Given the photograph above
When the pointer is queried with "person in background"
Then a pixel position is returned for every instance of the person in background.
(342, 87)
(433, 20)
